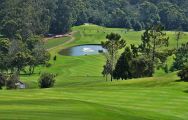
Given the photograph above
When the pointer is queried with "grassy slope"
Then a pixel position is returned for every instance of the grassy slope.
(82, 93)
(55, 42)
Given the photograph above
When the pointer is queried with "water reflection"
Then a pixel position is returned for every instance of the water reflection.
(83, 50)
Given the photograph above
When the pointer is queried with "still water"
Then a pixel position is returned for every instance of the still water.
(83, 50)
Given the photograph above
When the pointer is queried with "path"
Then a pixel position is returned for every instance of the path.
(72, 38)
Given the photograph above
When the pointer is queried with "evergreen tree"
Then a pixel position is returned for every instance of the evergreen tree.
(123, 66)
(153, 39)
(181, 58)
(112, 45)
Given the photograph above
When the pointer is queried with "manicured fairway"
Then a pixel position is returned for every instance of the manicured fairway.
(55, 42)
(81, 93)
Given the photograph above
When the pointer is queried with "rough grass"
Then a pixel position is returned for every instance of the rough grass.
(81, 93)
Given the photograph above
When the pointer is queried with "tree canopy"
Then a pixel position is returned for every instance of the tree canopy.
(27, 17)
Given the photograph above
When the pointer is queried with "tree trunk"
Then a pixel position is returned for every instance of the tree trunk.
(112, 67)
(154, 45)
(177, 44)
(33, 69)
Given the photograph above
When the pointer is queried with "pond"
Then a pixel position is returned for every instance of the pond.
(82, 50)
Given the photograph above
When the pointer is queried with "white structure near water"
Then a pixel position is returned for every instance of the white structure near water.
(20, 85)
(88, 50)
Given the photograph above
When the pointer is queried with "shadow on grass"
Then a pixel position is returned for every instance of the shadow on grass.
(27, 74)
(185, 91)
(181, 80)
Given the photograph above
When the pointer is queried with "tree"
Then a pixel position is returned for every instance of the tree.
(138, 26)
(10, 29)
(11, 81)
(46, 80)
(181, 58)
(183, 74)
(20, 60)
(133, 66)
(153, 39)
(2, 80)
(171, 15)
(123, 66)
(135, 50)
(4, 49)
(178, 35)
(106, 70)
(141, 66)
(149, 13)
(66, 15)
(82, 18)
(112, 45)
(40, 56)
(33, 41)
(4, 45)
(128, 24)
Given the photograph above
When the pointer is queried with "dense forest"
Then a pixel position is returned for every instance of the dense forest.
(25, 17)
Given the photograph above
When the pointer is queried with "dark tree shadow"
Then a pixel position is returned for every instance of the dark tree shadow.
(185, 91)
(180, 80)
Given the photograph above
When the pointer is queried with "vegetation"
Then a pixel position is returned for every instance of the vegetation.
(123, 66)
(112, 46)
(58, 16)
(181, 58)
(46, 80)
(2, 80)
(132, 64)
(11, 81)
(152, 40)
(183, 74)
(80, 91)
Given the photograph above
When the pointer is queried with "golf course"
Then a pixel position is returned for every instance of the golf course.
(82, 93)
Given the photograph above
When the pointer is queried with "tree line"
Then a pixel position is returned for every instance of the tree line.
(58, 16)
(142, 60)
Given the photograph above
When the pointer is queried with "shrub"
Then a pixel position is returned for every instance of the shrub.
(11, 82)
(183, 74)
(47, 80)
(48, 65)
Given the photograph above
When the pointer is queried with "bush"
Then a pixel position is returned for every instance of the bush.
(11, 82)
(48, 65)
(183, 74)
(47, 80)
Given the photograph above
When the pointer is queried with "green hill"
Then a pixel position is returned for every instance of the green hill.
(81, 93)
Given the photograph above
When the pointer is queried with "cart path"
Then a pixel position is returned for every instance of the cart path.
(72, 39)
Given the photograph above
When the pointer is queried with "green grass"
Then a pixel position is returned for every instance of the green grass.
(81, 93)
(55, 42)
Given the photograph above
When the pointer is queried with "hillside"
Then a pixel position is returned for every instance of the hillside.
(81, 92)
(58, 16)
